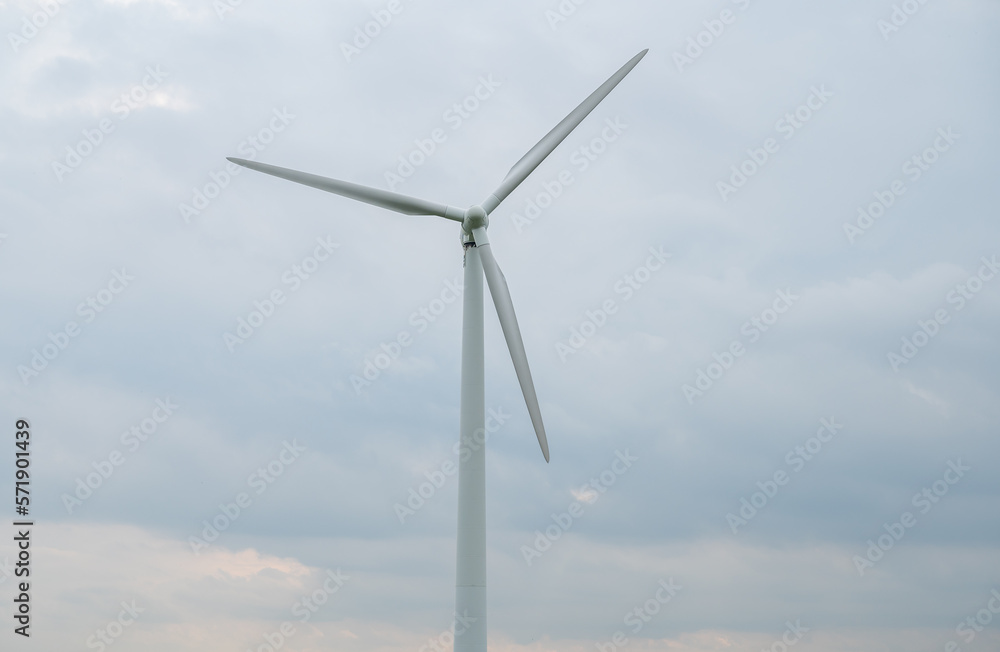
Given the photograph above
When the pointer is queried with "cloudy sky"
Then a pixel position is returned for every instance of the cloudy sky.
(763, 271)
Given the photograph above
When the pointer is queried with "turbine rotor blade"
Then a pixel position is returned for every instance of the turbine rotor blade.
(544, 147)
(508, 322)
(374, 196)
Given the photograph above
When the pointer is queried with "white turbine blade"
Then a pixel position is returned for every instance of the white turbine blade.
(537, 154)
(374, 196)
(508, 322)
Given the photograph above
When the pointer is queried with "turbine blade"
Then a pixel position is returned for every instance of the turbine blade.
(374, 196)
(508, 322)
(544, 147)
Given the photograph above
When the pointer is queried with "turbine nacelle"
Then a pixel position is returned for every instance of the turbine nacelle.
(475, 218)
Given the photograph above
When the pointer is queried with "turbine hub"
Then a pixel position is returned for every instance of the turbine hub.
(475, 217)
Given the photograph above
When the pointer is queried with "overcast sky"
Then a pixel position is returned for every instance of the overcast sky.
(758, 287)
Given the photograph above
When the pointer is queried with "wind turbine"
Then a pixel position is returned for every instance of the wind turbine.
(470, 583)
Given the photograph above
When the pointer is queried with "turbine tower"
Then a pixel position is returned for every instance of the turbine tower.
(470, 583)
